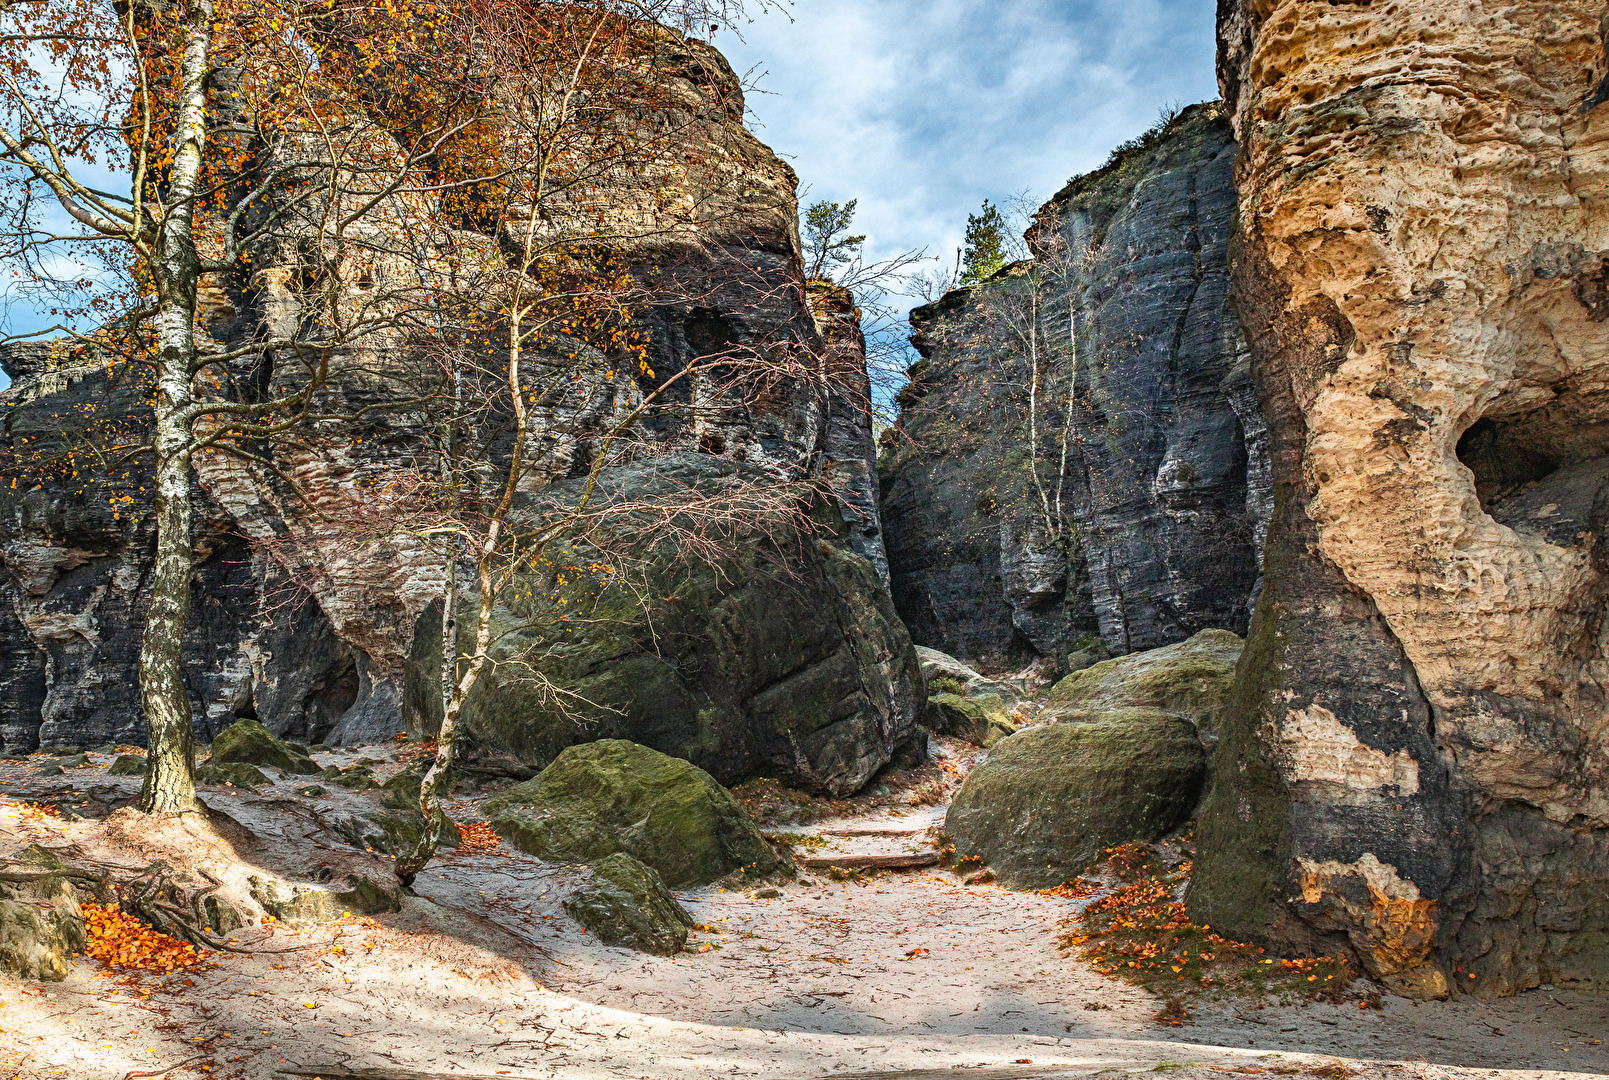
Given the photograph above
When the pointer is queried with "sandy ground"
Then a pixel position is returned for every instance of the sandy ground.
(907, 975)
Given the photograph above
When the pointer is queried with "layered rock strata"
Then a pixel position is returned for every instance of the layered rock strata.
(1165, 488)
(1415, 761)
(328, 659)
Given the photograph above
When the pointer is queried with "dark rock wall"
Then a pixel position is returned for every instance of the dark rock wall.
(1168, 484)
(291, 630)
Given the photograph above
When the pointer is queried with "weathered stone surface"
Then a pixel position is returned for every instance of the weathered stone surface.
(627, 904)
(40, 928)
(1049, 801)
(237, 773)
(248, 742)
(1190, 679)
(1168, 481)
(1415, 762)
(614, 796)
(394, 831)
(787, 660)
(301, 907)
(126, 765)
(329, 661)
(982, 721)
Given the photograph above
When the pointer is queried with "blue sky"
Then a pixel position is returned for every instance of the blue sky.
(921, 109)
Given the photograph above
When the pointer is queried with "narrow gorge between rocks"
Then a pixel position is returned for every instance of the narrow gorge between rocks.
(1200, 667)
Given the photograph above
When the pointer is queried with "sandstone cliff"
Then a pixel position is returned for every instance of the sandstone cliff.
(1166, 489)
(1416, 760)
(328, 659)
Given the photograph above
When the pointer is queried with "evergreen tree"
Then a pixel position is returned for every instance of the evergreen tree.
(985, 245)
(826, 246)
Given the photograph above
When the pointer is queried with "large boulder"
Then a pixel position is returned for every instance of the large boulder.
(1049, 801)
(628, 904)
(615, 796)
(783, 657)
(40, 927)
(247, 742)
(1191, 678)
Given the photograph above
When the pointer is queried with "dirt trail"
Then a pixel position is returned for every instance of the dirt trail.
(907, 975)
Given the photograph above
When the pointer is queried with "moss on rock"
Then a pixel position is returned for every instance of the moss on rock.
(40, 927)
(982, 722)
(248, 742)
(1049, 801)
(126, 765)
(616, 796)
(237, 773)
(628, 904)
(1192, 678)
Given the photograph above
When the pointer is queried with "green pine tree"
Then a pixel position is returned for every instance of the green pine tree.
(825, 243)
(985, 245)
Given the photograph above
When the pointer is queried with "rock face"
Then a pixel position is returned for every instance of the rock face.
(1049, 800)
(1415, 761)
(316, 645)
(1167, 484)
(40, 926)
(614, 796)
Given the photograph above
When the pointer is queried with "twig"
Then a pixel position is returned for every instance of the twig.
(164, 1072)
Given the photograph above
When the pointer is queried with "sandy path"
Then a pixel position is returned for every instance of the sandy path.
(908, 975)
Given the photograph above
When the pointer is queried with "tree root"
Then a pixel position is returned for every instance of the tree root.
(154, 895)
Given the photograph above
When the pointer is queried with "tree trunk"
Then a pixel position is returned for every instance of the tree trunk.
(170, 786)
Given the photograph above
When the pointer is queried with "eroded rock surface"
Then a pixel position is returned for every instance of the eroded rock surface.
(316, 644)
(1416, 760)
(1167, 479)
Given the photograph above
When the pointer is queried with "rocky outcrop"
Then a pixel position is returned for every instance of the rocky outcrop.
(290, 628)
(1165, 489)
(1415, 761)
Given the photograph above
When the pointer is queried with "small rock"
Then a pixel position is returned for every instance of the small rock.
(237, 773)
(248, 742)
(312, 791)
(318, 748)
(42, 857)
(61, 751)
(767, 894)
(393, 832)
(73, 761)
(628, 904)
(126, 765)
(982, 722)
(302, 907)
(51, 769)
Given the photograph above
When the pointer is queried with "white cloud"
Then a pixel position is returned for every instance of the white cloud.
(923, 108)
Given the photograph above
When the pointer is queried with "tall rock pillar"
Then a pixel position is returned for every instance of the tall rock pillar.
(1417, 761)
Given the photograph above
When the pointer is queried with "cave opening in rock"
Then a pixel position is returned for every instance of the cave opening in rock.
(1503, 460)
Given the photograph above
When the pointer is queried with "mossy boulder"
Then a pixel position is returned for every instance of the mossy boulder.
(237, 773)
(983, 722)
(353, 777)
(126, 765)
(248, 742)
(1191, 679)
(41, 927)
(628, 904)
(786, 659)
(616, 796)
(1050, 800)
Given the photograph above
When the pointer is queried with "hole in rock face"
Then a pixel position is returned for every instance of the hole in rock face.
(1503, 461)
(327, 701)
